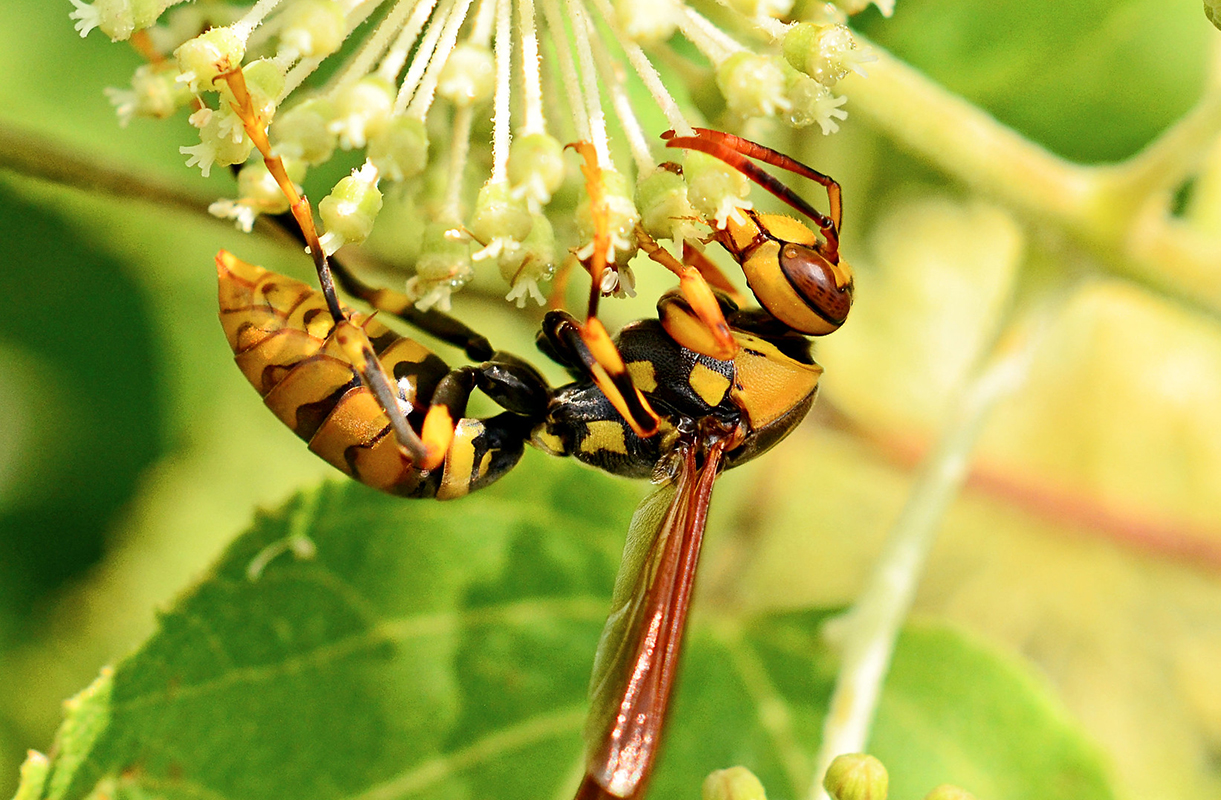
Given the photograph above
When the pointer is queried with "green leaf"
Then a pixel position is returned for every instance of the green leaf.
(443, 650)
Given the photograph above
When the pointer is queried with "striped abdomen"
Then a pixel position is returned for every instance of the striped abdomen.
(281, 335)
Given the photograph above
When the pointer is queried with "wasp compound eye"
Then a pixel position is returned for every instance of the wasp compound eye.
(825, 287)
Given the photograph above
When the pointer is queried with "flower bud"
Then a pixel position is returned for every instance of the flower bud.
(735, 783)
(536, 166)
(763, 8)
(824, 52)
(469, 75)
(444, 266)
(303, 132)
(349, 210)
(155, 93)
(532, 262)
(621, 219)
(400, 149)
(665, 211)
(206, 57)
(258, 193)
(314, 28)
(498, 215)
(257, 186)
(362, 110)
(648, 22)
(118, 19)
(812, 103)
(856, 776)
(221, 141)
(753, 85)
(715, 189)
(264, 80)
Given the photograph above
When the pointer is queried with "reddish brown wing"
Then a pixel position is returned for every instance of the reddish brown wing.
(639, 652)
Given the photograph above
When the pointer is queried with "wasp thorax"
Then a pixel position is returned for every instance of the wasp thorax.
(825, 287)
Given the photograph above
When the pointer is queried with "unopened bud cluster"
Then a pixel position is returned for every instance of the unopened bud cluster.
(428, 97)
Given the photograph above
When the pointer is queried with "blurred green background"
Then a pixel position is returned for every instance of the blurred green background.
(1089, 541)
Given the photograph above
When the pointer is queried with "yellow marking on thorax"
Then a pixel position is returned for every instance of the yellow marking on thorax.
(709, 384)
(769, 382)
(643, 375)
(547, 441)
(604, 435)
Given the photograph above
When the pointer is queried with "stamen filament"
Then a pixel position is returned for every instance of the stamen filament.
(459, 154)
(613, 78)
(481, 32)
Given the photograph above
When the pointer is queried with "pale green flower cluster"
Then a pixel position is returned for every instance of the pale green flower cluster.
(460, 109)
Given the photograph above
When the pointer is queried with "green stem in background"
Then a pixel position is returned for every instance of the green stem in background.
(1120, 211)
(35, 155)
(867, 633)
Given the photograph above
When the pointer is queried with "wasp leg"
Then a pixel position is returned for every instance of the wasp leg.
(510, 382)
(702, 326)
(589, 346)
(564, 340)
(435, 323)
(735, 151)
(695, 257)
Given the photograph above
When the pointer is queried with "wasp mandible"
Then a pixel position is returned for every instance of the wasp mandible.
(702, 387)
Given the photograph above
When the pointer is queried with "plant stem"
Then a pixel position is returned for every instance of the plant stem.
(35, 155)
(1119, 211)
(870, 628)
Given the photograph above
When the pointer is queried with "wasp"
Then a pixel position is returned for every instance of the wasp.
(678, 398)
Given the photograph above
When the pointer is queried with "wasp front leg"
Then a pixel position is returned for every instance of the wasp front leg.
(588, 343)
(698, 321)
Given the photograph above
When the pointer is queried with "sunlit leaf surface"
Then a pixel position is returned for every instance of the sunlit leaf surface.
(357, 646)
